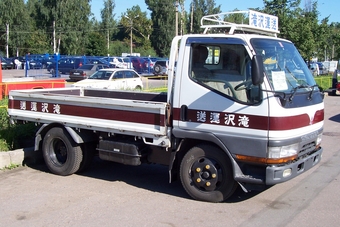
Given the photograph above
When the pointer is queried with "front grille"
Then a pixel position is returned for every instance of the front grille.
(307, 148)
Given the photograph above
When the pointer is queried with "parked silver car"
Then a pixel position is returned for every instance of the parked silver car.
(161, 67)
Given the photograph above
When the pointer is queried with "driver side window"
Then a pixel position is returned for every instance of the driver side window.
(231, 76)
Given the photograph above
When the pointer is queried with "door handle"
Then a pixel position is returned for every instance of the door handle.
(184, 113)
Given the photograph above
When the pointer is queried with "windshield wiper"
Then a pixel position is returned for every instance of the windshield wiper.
(291, 74)
(300, 86)
(311, 92)
(295, 90)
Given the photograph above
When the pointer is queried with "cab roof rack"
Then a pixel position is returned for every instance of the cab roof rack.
(259, 23)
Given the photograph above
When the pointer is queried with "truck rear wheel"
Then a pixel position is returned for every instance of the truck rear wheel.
(206, 174)
(61, 154)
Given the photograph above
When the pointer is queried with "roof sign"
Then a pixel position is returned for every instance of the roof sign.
(259, 23)
(263, 21)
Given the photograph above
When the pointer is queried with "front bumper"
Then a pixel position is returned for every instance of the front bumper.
(274, 174)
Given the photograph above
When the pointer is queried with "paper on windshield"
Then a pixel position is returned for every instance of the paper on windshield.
(279, 80)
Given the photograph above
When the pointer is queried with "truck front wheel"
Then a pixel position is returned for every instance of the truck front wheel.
(206, 174)
(61, 154)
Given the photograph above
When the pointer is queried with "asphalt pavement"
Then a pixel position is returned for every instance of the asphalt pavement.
(19, 74)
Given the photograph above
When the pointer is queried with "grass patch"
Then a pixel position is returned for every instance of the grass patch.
(325, 82)
(12, 166)
(14, 136)
(158, 89)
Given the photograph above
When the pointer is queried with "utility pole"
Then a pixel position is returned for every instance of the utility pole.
(54, 44)
(176, 18)
(182, 16)
(108, 40)
(192, 16)
(131, 39)
(7, 39)
(131, 27)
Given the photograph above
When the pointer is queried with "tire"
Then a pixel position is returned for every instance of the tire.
(61, 154)
(138, 88)
(206, 174)
(157, 69)
(52, 71)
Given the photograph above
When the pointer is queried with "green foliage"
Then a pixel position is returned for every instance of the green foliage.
(96, 45)
(12, 166)
(201, 8)
(163, 16)
(118, 47)
(14, 14)
(135, 22)
(14, 136)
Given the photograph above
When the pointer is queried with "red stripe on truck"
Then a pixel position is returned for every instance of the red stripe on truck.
(90, 112)
(249, 121)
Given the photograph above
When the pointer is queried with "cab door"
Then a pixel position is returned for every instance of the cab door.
(221, 102)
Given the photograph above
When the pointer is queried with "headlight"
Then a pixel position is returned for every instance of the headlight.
(318, 139)
(284, 151)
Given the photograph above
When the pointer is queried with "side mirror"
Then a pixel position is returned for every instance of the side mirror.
(257, 70)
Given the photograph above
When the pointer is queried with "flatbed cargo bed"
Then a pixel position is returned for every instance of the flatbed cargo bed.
(124, 112)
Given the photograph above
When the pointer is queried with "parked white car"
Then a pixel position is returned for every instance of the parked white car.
(113, 78)
(118, 62)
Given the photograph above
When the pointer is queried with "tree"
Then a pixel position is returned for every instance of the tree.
(108, 23)
(287, 11)
(96, 45)
(200, 8)
(296, 24)
(135, 22)
(69, 20)
(324, 39)
(163, 19)
(14, 18)
(72, 22)
(335, 37)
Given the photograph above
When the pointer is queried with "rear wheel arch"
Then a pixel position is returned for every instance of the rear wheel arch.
(79, 137)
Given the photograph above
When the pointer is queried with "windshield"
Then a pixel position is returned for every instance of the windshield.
(286, 70)
(101, 75)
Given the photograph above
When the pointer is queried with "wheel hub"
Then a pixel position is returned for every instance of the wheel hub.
(60, 151)
(204, 174)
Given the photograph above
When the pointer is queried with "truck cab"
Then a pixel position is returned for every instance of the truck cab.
(249, 95)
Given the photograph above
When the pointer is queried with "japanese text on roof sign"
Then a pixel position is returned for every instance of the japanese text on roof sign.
(263, 21)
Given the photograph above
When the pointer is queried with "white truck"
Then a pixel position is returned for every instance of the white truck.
(249, 114)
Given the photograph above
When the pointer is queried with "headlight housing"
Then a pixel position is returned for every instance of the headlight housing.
(284, 151)
(318, 140)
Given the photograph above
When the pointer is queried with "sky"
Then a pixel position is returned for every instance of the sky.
(325, 7)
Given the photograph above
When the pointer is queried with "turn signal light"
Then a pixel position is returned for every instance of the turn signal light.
(245, 158)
